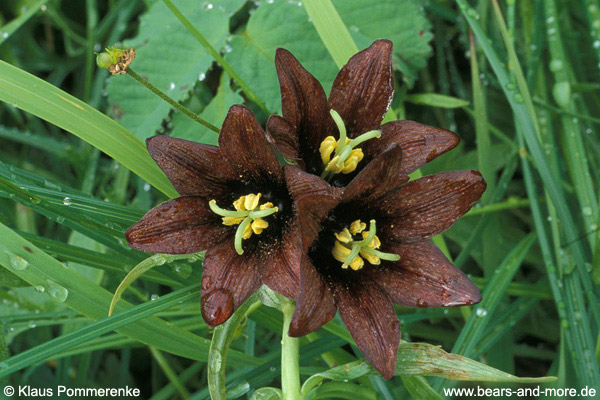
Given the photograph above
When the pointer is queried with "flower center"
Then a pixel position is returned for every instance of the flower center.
(352, 252)
(248, 215)
(340, 155)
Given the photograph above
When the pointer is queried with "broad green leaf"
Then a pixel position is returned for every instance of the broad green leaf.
(65, 286)
(253, 52)
(49, 103)
(429, 360)
(170, 58)
(436, 100)
(214, 112)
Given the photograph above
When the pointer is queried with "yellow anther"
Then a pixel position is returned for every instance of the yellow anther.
(372, 259)
(268, 204)
(357, 227)
(232, 220)
(340, 252)
(332, 166)
(251, 201)
(258, 225)
(327, 147)
(375, 243)
(351, 163)
(344, 236)
(239, 204)
(357, 264)
(247, 232)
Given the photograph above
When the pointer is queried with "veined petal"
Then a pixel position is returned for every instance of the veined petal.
(303, 101)
(313, 198)
(371, 319)
(315, 305)
(285, 139)
(182, 225)
(420, 143)
(378, 177)
(424, 277)
(194, 169)
(228, 279)
(364, 88)
(428, 206)
(280, 269)
(245, 147)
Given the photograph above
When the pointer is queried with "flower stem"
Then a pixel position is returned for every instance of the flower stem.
(290, 356)
(245, 88)
(169, 100)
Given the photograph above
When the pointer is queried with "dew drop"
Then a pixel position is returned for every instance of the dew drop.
(556, 65)
(510, 86)
(227, 48)
(208, 6)
(596, 44)
(154, 297)
(67, 201)
(172, 86)
(60, 219)
(39, 288)
(32, 324)
(587, 211)
(481, 312)
(5, 35)
(202, 76)
(43, 8)
(147, 187)
(18, 263)
(518, 98)
(216, 361)
(57, 292)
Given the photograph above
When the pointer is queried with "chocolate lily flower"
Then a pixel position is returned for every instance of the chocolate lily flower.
(235, 205)
(336, 137)
(366, 248)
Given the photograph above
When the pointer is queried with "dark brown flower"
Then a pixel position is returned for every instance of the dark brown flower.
(366, 248)
(309, 136)
(235, 205)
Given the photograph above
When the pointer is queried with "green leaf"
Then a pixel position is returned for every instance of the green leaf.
(426, 359)
(49, 103)
(345, 372)
(215, 112)
(65, 286)
(253, 52)
(419, 388)
(436, 100)
(170, 58)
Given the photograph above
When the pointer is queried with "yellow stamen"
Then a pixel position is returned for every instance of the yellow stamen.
(248, 214)
(232, 220)
(258, 225)
(327, 147)
(352, 252)
(344, 236)
(357, 227)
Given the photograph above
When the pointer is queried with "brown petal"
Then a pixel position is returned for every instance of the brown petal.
(378, 177)
(423, 277)
(428, 206)
(281, 268)
(228, 279)
(303, 100)
(364, 88)
(194, 169)
(313, 198)
(182, 225)
(244, 145)
(315, 305)
(420, 143)
(285, 138)
(371, 319)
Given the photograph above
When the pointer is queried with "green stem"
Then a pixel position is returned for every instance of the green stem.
(169, 100)
(245, 88)
(290, 357)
